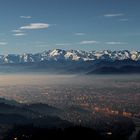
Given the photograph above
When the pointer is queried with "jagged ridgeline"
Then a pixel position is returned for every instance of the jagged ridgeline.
(71, 55)
(73, 61)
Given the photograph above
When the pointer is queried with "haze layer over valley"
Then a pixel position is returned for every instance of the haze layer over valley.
(100, 102)
(63, 90)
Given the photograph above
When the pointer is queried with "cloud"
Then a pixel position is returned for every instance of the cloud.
(33, 26)
(88, 42)
(26, 17)
(16, 31)
(114, 15)
(79, 34)
(19, 34)
(62, 44)
(115, 43)
(3, 43)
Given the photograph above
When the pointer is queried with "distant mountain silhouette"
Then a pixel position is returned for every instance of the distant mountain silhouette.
(115, 70)
(72, 61)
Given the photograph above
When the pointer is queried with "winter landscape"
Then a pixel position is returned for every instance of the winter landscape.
(69, 69)
(73, 62)
(73, 89)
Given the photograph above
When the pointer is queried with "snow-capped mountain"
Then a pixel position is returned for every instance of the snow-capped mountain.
(72, 61)
(71, 55)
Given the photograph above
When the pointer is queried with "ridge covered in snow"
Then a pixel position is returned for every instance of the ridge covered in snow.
(70, 55)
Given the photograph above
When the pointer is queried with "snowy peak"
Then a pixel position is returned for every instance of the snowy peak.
(71, 55)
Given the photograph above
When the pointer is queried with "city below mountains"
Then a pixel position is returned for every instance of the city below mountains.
(73, 61)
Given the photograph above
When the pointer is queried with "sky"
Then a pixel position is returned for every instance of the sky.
(36, 25)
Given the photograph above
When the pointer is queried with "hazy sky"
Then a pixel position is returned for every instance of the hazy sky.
(37, 25)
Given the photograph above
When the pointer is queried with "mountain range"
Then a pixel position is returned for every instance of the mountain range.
(70, 55)
(73, 61)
